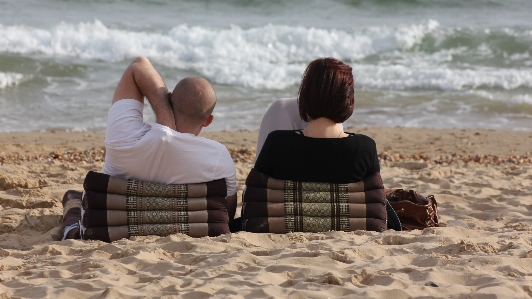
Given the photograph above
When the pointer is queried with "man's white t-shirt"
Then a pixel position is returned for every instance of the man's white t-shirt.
(156, 153)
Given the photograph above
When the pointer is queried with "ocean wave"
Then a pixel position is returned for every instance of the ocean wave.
(274, 43)
(10, 79)
(400, 77)
(523, 101)
(414, 56)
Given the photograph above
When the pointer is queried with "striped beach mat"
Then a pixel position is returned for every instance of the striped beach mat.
(282, 206)
(112, 208)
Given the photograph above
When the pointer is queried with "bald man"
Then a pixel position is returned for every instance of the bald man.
(168, 151)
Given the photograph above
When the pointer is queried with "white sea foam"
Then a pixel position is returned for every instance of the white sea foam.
(270, 57)
(401, 77)
(522, 99)
(10, 79)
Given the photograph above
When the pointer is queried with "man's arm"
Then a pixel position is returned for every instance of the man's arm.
(140, 80)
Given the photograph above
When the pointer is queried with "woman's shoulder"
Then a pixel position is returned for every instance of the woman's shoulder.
(283, 134)
(280, 137)
(361, 138)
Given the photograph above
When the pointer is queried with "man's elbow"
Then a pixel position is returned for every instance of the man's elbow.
(139, 64)
(140, 59)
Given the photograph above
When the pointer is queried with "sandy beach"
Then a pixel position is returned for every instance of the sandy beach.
(481, 179)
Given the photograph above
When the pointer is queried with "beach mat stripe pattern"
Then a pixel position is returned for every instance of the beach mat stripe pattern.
(119, 217)
(282, 206)
(104, 183)
(112, 208)
(108, 201)
(113, 233)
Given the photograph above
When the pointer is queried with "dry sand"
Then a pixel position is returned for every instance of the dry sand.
(483, 250)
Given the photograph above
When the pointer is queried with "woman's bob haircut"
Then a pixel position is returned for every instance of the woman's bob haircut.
(327, 90)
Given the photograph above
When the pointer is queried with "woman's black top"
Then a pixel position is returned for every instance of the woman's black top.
(289, 155)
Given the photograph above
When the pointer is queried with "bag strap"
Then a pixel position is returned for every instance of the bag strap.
(434, 208)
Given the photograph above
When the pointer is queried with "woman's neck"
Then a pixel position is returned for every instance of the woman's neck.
(324, 128)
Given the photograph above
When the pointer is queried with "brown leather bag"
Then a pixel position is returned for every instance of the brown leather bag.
(414, 210)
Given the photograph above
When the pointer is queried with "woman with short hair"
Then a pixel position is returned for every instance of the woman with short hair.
(321, 152)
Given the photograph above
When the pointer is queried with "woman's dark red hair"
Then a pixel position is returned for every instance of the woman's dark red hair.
(327, 90)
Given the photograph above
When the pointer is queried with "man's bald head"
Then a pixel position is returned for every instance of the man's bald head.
(193, 101)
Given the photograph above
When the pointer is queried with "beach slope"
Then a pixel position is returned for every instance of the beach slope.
(482, 180)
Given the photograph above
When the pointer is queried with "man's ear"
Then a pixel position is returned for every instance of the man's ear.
(208, 121)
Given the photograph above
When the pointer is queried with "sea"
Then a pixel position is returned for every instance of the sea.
(416, 63)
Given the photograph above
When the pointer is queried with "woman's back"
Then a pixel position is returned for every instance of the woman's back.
(289, 155)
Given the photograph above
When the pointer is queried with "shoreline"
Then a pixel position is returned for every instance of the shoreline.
(393, 144)
(483, 247)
